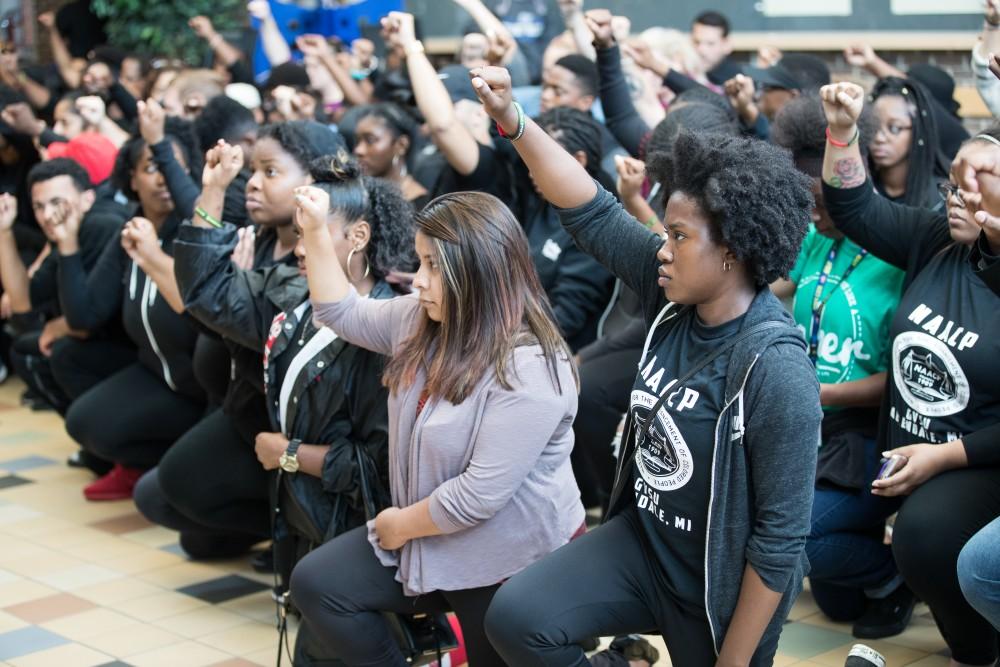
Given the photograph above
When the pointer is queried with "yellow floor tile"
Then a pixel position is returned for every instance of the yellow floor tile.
(69, 655)
(43, 564)
(139, 639)
(189, 654)
(160, 605)
(90, 624)
(78, 576)
(117, 591)
(922, 635)
(149, 559)
(10, 622)
(182, 574)
(156, 536)
(259, 607)
(930, 661)
(241, 639)
(23, 590)
(200, 622)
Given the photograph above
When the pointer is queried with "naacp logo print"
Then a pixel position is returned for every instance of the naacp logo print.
(663, 458)
(928, 376)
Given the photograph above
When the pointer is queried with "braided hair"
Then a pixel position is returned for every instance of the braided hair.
(380, 203)
(575, 131)
(927, 163)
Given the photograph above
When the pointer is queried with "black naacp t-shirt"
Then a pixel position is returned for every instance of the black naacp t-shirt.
(945, 354)
(673, 467)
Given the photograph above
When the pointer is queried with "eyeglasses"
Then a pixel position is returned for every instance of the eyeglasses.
(946, 189)
(893, 129)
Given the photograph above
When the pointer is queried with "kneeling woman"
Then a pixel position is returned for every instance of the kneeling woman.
(482, 395)
(711, 505)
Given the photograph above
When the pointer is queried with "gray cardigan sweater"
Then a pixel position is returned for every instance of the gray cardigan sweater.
(764, 462)
(496, 467)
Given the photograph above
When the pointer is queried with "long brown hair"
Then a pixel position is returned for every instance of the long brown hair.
(492, 301)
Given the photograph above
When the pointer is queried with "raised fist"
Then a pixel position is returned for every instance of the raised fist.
(311, 207)
(599, 23)
(222, 163)
(842, 103)
(492, 85)
(859, 55)
(202, 26)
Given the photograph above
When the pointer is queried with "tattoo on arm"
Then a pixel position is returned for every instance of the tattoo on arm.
(848, 173)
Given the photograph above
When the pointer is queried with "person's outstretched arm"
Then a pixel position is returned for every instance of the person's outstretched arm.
(561, 179)
(70, 68)
(903, 236)
(863, 55)
(276, 49)
(182, 187)
(451, 137)
(317, 46)
(596, 221)
(620, 114)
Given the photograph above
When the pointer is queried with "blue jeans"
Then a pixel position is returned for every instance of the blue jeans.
(979, 572)
(848, 561)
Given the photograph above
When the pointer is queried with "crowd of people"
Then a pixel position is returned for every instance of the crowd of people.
(408, 321)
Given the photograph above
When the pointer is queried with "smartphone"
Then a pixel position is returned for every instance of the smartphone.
(891, 466)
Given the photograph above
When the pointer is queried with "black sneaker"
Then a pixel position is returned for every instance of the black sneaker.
(886, 617)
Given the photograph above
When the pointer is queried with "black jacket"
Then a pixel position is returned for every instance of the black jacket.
(916, 240)
(117, 285)
(338, 398)
(99, 227)
(578, 287)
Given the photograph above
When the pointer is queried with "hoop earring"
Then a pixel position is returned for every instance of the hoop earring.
(368, 266)
(395, 163)
(726, 266)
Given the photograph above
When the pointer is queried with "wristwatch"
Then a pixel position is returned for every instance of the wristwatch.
(289, 461)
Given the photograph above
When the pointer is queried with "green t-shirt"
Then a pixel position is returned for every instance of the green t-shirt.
(854, 323)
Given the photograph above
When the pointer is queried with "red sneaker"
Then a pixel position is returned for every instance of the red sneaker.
(116, 485)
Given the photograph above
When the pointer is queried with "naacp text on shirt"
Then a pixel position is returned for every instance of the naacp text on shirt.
(928, 377)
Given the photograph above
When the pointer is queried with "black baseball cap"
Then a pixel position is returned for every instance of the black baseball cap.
(795, 71)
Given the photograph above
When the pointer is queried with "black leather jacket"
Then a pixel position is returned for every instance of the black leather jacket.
(337, 397)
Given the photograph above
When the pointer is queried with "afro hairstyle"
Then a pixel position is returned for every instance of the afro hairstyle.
(757, 203)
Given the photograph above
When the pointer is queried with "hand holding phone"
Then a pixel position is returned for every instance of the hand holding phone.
(891, 466)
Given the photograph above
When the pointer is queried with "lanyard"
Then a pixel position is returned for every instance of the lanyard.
(817, 303)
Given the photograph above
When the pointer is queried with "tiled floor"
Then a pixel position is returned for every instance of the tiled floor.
(85, 584)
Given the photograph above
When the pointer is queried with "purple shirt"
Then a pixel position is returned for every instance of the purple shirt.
(496, 467)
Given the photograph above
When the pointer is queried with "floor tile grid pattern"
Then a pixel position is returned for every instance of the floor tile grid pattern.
(87, 584)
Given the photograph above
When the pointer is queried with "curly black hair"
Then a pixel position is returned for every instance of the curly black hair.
(757, 202)
(575, 131)
(179, 132)
(927, 162)
(222, 118)
(304, 140)
(380, 203)
(800, 127)
(692, 116)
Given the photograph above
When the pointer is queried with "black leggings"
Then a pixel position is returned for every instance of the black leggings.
(131, 418)
(602, 584)
(933, 525)
(209, 483)
(605, 382)
(341, 588)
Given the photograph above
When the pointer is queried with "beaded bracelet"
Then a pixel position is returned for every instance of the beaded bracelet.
(520, 124)
(841, 144)
(207, 217)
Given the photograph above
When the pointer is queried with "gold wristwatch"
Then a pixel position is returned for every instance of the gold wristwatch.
(289, 461)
